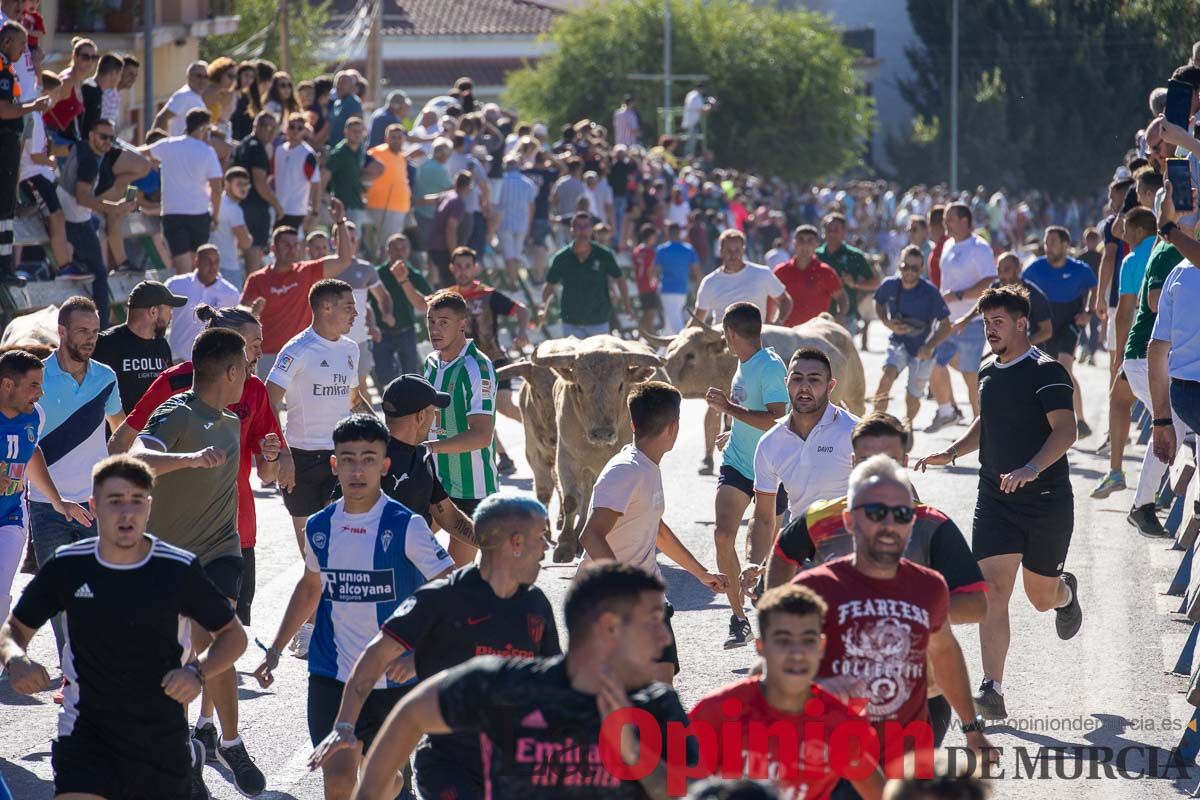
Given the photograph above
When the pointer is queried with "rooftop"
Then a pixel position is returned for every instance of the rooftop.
(458, 17)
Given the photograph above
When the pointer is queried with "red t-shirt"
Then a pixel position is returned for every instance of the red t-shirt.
(257, 418)
(877, 633)
(812, 289)
(811, 776)
(643, 260)
(287, 311)
(935, 262)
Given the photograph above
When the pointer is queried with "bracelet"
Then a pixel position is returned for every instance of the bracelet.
(1033, 467)
(270, 460)
(1163, 422)
(344, 727)
(194, 668)
(953, 454)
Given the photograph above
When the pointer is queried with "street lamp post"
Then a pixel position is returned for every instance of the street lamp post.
(954, 96)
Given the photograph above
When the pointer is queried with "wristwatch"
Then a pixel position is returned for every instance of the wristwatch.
(974, 727)
(1163, 422)
(347, 729)
(194, 668)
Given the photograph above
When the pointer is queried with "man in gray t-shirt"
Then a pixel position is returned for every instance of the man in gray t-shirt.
(364, 280)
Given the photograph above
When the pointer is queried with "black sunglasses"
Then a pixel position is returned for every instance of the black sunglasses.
(876, 512)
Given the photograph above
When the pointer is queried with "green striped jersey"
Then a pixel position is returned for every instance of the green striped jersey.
(470, 380)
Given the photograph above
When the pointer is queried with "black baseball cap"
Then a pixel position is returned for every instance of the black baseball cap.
(408, 394)
(148, 294)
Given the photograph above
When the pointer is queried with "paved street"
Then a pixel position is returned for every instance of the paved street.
(1105, 689)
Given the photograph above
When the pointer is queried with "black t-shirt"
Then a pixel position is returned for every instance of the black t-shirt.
(411, 478)
(618, 177)
(544, 735)
(544, 178)
(93, 104)
(1114, 288)
(453, 619)
(1014, 399)
(123, 624)
(249, 154)
(136, 361)
(8, 83)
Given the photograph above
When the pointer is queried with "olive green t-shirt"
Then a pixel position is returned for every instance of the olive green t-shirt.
(585, 298)
(401, 308)
(1163, 258)
(848, 261)
(195, 508)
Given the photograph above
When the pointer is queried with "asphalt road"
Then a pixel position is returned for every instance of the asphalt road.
(1107, 688)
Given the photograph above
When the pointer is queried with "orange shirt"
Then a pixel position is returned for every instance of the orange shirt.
(390, 190)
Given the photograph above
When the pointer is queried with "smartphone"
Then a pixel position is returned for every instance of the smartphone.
(1181, 183)
(1179, 102)
(130, 194)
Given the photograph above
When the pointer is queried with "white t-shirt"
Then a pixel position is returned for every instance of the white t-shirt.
(963, 265)
(188, 164)
(226, 243)
(317, 375)
(754, 283)
(295, 170)
(631, 484)
(184, 325)
(23, 67)
(36, 143)
(816, 468)
(183, 101)
(693, 106)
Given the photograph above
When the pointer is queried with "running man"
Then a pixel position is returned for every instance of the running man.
(791, 643)
(23, 463)
(1025, 511)
(365, 539)
(758, 397)
(123, 727)
(493, 608)
(550, 708)
(625, 519)
(1008, 273)
(462, 435)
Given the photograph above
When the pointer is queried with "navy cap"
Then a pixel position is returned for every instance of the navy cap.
(408, 394)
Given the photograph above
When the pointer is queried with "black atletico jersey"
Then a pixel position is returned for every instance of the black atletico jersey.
(458, 617)
(124, 632)
(541, 734)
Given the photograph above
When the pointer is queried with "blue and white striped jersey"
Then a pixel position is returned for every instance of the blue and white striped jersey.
(369, 564)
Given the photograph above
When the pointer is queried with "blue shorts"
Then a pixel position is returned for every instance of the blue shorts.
(731, 476)
(899, 359)
(968, 346)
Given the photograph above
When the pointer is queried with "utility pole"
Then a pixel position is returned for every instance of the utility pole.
(667, 67)
(954, 95)
(148, 112)
(375, 53)
(285, 61)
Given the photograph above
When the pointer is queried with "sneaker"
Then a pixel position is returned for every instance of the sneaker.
(299, 645)
(940, 421)
(207, 736)
(1068, 618)
(1112, 482)
(989, 703)
(248, 778)
(1104, 447)
(1146, 521)
(958, 415)
(73, 271)
(739, 632)
(706, 467)
(199, 790)
(10, 279)
(1163, 501)
(505, 465)
(128, 268)
(1083, 429)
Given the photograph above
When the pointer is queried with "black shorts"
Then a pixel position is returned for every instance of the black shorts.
(1036, 522)
(437, 776)
(185, 233)
(502, 384)
(670, 654)
(729, 476)
(226, 574)
(1064, 341)
(42, 190)
(291, 220)
(466, 506)
(156, 768)
(246, 595)
(324, 698)
(258, 224)
(314, 483)
(650, 301)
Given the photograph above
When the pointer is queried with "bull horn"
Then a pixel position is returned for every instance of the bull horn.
(657, 341)
(703, 323)
(643, 360)
(517, 368)
(554, 361)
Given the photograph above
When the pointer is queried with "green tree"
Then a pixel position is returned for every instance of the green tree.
(1050, 91)
(789, 101)
(258, 35)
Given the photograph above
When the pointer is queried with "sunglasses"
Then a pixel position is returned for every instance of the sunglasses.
(877, 512)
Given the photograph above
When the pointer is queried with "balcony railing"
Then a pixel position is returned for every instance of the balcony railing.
(125, 16)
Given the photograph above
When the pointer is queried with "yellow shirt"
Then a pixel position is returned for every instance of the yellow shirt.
(390, 190)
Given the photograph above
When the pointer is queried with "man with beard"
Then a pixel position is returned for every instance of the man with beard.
(888, 619)
(1025, 512)
(137, 350)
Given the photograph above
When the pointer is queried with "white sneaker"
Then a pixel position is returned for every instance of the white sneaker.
(299, 644)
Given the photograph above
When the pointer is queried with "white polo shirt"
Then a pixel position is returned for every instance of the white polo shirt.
(816, 468)
(631, 484)
(184, 325)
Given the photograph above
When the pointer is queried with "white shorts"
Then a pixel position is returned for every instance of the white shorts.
(1110, 333)
(512, 245)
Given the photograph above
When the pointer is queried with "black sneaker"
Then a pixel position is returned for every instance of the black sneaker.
(706, 467)
(199, 790)
(1145, 520)
(248, 778)
(739, 632)
(1069, 617)
(207, 735)
(505, 465)
(989, 703)
(1083, 429)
